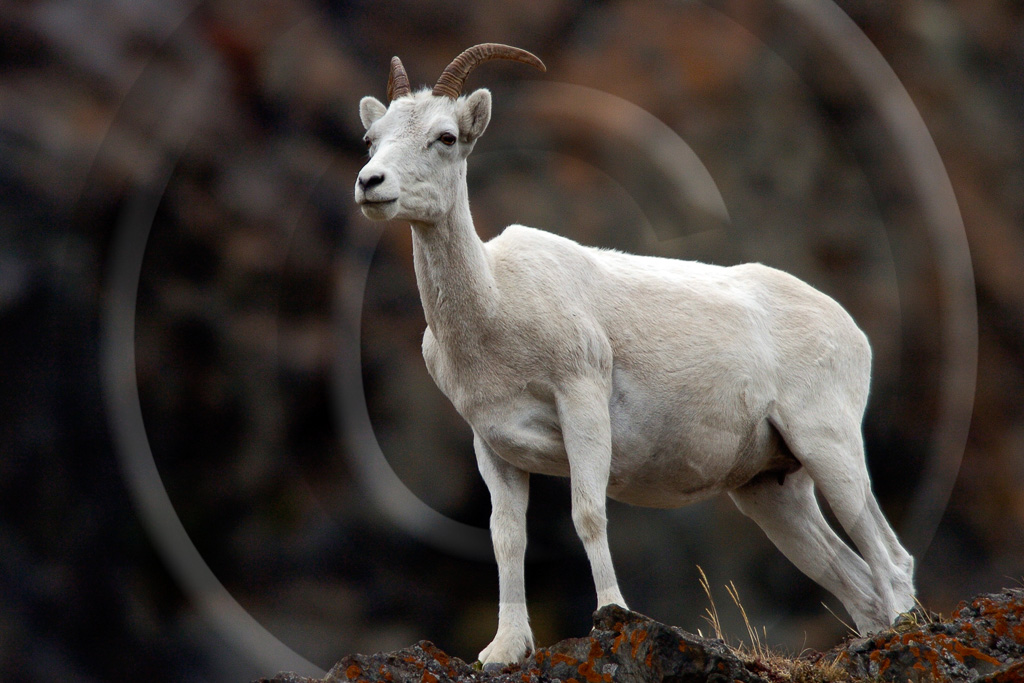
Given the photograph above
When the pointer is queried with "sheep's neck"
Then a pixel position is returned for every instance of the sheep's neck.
(453, 274)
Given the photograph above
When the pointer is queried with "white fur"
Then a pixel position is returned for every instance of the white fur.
(653, 381)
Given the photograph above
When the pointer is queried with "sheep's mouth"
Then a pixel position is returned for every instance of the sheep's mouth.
(379, 209)
(378, 202)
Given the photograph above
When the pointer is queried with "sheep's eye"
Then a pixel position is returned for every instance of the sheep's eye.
(369, 142)
(447, 139)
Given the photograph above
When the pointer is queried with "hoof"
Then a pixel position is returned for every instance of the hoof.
(507, 648)
(913, 619)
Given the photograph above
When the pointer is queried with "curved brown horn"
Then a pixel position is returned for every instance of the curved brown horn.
(398, 81)
(454, 76)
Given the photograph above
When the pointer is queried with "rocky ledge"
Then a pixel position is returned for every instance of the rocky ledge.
(982, 642)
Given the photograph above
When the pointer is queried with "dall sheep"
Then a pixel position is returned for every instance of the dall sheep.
(654, 381)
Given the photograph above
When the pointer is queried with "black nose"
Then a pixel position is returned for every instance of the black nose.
(371, 182)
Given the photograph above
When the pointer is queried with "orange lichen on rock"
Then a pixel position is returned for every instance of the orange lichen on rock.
(440, 656)
(618, 641)
(985, 638)
(559, 658)
(586, 670)
(883, 664)
(984, 641)
(638, 636)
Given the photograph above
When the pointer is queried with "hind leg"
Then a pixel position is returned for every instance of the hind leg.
(850, 497)
(789, 515)
(903, 580)
(834, 458)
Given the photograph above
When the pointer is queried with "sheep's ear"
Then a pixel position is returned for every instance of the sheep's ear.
(370, 109)
(474, 114)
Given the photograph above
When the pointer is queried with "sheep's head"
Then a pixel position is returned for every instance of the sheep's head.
(419, 142)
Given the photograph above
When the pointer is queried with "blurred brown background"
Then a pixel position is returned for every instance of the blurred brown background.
(206, 151)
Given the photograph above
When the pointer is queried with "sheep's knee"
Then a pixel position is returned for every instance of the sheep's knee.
(508, 534)
(590, 521)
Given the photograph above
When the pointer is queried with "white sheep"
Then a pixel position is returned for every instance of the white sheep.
(654, 381)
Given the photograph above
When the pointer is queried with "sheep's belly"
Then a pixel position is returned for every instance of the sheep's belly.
(655, 462)
(672, 470)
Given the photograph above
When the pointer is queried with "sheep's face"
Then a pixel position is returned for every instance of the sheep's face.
(418, 147)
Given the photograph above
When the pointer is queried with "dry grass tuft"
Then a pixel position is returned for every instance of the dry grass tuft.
(755, 640)
(818, 672)
(775, 666)
(712, 612)
(853, 632)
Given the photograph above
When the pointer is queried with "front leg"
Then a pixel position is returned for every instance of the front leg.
(510, 492)
(586, 433)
